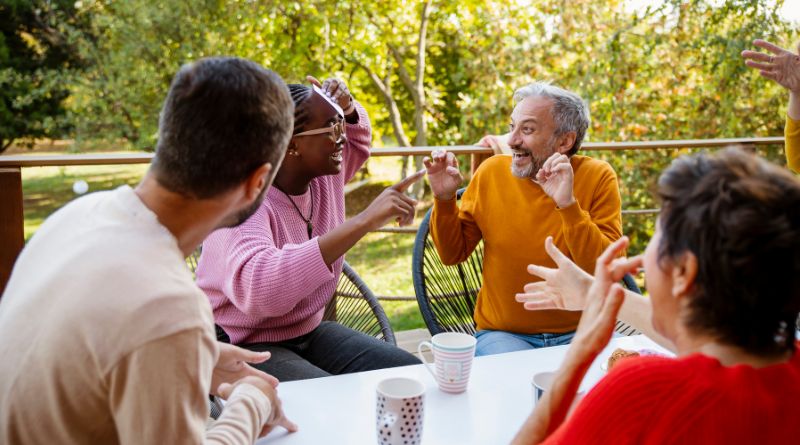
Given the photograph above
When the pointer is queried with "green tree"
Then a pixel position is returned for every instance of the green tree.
(36, 63)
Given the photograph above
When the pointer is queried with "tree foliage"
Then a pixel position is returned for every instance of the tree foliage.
(35, 66)
(436, 72)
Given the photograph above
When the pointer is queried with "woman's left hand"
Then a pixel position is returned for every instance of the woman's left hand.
(337, 90)
(604, 299)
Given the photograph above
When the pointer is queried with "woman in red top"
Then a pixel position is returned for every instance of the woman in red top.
(723, 274)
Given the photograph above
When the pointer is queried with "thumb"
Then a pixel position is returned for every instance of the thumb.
(314, 81)
(554, 252)
(224, 390)
(256, 357)
(405, 183)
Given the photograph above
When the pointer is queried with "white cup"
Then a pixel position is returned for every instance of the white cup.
(542, 382)
(399, 411)
(452, 356)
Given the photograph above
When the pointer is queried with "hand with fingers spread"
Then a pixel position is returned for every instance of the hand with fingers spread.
(232, 365)
(443, 174)
(498, 143)
(563, 288)
(392, 203)
(556, 179)
(782, 66)
(603, 301)
(276, 416)
(337, 90)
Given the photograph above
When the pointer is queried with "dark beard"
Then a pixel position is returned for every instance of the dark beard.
(245, 214)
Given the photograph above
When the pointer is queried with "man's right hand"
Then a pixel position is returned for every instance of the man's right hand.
(443, 174)
(276, 415)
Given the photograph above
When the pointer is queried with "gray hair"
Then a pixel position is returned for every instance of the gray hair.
(570, 112)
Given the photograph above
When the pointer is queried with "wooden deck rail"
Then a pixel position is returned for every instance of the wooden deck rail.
(12, 220)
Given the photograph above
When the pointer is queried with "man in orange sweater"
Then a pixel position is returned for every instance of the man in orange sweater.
(514, 203)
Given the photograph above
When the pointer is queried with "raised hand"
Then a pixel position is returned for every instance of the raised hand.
(392, 203)
(337, 90)
(498, 143)
(564, 287)
(232, 365)
(783, 66)
(604, 299)
(276, 416)
(443, 174)
(556, 179)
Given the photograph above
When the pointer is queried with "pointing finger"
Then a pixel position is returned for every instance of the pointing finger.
(404, 184)
(314, 81)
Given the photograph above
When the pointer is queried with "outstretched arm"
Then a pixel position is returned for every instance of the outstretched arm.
(783, 67)
(567, 286)
(593, 333)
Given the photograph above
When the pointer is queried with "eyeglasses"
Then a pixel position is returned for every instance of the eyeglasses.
(337, 129)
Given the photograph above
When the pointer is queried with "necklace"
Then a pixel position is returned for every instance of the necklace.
(309, 226)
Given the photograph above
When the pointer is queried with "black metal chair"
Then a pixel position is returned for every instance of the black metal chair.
(446, 294)
(353, 305)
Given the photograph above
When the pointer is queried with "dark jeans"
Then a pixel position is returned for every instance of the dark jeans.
(330, 349)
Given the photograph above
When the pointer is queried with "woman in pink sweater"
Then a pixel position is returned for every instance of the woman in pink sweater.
(270, 278)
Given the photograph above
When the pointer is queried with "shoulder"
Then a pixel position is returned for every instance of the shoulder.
(641, 377)
(591, 166)
(493, 165)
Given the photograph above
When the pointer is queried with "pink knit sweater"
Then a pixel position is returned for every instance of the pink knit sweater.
(266, 280)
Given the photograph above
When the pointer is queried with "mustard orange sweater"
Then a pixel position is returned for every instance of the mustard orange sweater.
(792, 134)
(514, 216)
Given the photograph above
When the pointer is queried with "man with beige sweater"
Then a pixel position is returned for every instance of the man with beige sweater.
(105, 336)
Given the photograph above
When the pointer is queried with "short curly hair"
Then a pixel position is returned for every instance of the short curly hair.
(223, 118)
(740, 216)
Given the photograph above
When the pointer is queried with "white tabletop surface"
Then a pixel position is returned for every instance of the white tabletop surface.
(341, 409)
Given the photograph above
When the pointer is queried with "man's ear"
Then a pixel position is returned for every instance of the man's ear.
(257, 180)
(565, 142)
(684, 273)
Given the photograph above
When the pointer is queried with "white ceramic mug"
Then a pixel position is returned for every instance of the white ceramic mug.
(399, 411)
(452, 356)
(542, 382)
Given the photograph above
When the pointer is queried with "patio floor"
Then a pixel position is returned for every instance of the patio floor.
(409, 340)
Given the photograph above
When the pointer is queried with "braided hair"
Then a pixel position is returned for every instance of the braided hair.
(300, 96)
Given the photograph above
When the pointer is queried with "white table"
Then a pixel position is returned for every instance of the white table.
(341, 409)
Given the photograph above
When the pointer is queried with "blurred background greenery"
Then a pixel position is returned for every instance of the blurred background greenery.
(93, 74)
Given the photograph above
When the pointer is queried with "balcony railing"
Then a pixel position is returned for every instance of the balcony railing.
(12, 221)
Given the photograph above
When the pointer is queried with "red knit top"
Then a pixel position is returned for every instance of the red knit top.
(657, 400)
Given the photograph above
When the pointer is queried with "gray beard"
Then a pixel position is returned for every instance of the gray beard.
(529, 171)
(536, 164)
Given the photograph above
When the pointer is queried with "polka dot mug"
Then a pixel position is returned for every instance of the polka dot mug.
(399, 411)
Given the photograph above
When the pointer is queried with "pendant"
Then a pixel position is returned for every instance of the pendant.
(310, 228)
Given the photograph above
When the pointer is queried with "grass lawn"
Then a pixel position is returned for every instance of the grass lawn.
(383, 260)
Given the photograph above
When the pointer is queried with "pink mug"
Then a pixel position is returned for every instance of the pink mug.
(452, 356)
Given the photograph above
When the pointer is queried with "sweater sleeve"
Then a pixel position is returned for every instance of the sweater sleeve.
(792, 135)
(262, 280)
(588, 231)
(159, 394)
(359, 140)
(617, 410)
(454, 230)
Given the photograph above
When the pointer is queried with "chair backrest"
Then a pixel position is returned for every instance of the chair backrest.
(355, 306)
(446, 294)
